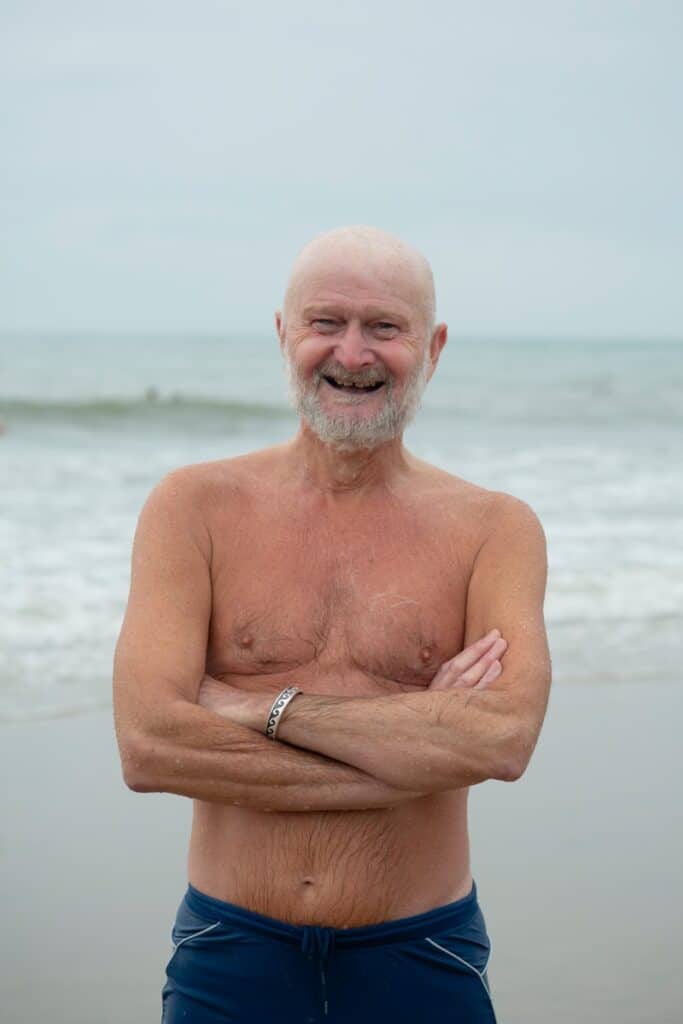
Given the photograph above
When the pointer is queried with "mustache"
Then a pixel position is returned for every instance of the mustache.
(364, 378)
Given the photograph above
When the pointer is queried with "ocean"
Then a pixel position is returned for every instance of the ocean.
(589, 434)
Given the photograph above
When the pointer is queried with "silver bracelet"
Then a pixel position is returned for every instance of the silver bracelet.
(277, 708)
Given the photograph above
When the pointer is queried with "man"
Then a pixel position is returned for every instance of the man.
(329, 864)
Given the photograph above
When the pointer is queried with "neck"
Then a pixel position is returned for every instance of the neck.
(329, 469)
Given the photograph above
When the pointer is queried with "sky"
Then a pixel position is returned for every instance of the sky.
(163, 162)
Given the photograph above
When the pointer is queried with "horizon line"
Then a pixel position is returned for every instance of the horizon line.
(230, 334)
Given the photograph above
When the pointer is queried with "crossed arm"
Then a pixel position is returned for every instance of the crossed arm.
(481, 715)
(167, 741)
(204, 739)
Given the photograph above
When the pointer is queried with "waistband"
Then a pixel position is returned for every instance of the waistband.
(401, 929)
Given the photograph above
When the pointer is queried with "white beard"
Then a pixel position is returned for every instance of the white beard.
(346, 433)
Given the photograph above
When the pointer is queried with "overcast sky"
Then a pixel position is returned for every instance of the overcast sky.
(162, 162)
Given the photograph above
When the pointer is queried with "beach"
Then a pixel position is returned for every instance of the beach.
(577, 866)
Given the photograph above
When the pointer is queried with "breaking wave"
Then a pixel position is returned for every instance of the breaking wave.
(148, 408)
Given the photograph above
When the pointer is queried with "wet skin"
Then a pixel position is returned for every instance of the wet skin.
(343, 597)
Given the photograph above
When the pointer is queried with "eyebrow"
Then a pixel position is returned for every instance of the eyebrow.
(334, 310)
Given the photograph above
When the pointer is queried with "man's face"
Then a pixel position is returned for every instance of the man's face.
(357, 353)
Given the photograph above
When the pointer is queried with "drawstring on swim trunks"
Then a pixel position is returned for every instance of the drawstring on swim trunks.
(316, 939)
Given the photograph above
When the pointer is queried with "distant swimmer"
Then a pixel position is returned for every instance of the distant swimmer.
(326, 644)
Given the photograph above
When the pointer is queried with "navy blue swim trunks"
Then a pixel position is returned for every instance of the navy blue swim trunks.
(232, 966)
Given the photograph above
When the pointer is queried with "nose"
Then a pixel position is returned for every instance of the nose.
(351, 349)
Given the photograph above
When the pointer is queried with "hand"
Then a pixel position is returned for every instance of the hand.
(240, 706)
(475, 667)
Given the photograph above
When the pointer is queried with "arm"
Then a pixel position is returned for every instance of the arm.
(167, 742)
(450, 735)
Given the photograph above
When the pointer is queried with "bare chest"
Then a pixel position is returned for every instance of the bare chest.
(358, 614)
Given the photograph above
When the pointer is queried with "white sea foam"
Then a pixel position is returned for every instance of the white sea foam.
(516, 418)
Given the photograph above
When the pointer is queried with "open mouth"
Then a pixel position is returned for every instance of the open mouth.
(357, 389)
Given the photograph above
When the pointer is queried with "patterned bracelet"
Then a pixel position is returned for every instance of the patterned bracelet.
(277, 708)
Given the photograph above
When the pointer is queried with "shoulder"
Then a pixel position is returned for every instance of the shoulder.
(504, 511)
(201, 484)
(204, 496)
(509, 528)
(492, 508)
(485, 516)
(513, 544)
(186, 491)
(507, 584)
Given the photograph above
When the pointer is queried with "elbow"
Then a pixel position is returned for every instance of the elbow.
(139, 783)
(509, 770)
(503, 756)
(138, 766)
(514, 756)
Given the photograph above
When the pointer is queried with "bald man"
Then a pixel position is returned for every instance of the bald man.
(326, 644)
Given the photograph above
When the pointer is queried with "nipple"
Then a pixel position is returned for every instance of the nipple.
(426, 655)
(246, 640)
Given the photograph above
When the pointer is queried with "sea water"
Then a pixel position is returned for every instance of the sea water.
(589, 434)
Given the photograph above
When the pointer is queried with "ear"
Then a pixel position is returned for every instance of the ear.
(436, 343)
(280, 327)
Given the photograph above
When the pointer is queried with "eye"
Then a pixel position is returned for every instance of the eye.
(324, 325)
(385, 328)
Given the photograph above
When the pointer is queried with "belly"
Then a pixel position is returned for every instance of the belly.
(341, 869)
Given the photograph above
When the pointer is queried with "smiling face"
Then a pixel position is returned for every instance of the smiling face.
(357, 337)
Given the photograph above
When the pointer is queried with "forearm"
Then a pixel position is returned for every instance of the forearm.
(191, 751)
(426, 741)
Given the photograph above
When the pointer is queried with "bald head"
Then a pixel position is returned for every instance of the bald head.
(369, 254)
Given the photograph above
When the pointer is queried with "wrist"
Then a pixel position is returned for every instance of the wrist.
(255, 711)
(278, 709)
(243, 707)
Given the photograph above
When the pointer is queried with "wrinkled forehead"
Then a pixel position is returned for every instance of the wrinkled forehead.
(359, 276)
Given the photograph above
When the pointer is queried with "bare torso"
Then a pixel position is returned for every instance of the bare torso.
(345, 595)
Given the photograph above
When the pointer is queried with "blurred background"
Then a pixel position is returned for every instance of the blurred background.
(162, 164)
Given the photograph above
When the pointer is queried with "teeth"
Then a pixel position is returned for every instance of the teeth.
(353, 385)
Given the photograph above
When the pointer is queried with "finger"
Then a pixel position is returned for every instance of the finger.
(471, 654)
(474, 674)
(441, 679)
(451, 669)
(491, 674)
